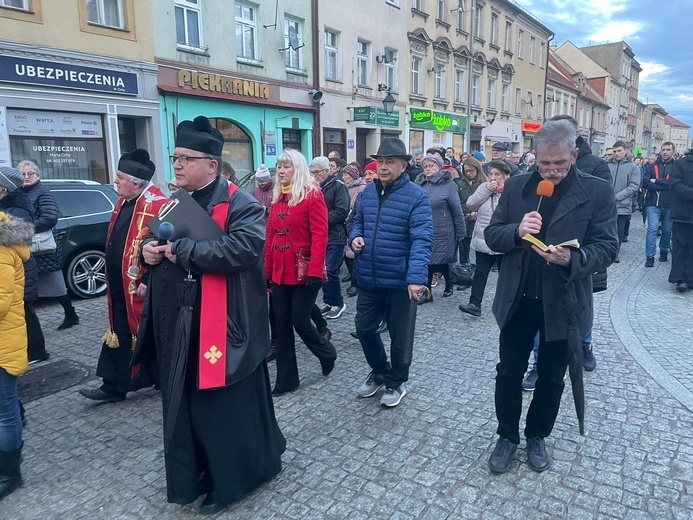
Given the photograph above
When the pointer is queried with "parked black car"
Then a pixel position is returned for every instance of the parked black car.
(85, 210)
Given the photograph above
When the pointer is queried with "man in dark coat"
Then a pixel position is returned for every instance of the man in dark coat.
(392, 236)
(655, 182)
(225, 441)
(337, 201)
(499, 152)
(545, 292)
(681, 188)
(127, 279)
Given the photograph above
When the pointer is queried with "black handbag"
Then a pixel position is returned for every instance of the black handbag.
(462, 274)
(599, 281)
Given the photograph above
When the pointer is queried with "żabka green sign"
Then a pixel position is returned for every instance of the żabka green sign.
(439, 121)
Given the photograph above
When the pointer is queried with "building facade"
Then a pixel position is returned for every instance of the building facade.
(257, 88)
(74, 104)
(478, 71)
(676, 132)
(361, 64)
(659, 134)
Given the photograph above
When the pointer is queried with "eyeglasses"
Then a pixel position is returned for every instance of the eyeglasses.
(313, 172)
(469, 170)
(555, 171)
(430, 166)
(183, 159)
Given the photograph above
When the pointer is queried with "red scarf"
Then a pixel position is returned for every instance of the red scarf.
(212, 354)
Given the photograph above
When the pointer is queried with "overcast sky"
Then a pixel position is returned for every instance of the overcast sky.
(659, 32)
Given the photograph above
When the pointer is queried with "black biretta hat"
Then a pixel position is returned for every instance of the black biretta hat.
(137, 164)
(199, 135)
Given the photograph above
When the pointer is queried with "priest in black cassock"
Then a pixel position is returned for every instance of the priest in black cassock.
(139, 201)
(225, 441)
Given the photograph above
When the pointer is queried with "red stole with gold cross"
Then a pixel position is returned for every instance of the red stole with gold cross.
(212, 354)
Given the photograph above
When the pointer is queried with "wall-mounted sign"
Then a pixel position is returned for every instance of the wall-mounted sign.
(66, 75)
(530, 126)
(376, 116)
(35, 123)
(222, 84)
(351, 144)
(270, 149)
(439, 121)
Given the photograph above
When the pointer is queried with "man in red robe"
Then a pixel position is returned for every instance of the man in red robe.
(139, 201)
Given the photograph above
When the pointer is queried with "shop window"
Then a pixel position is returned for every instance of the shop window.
(127, 134)
(291, 139)
(108, 13)
(238, 147)
(188, 28)
(416, 140)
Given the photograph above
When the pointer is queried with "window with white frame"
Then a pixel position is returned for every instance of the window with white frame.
(108, 13)
(416, 64)
(478, 22)
(494, 29)
(532, 45)
(439, 81)
(518, 100)
(540, 107)
(461, 15)
(528, 104)
(520, 44)
(491, 100)
(363, 57)
(542, 53)
(392, 2)
(332, 69)
(188, 30)
(23, 5)
(505, 98)
(293, 57)
(390, 70)
(459, 86)
(509, 36)
(246, 31)
(476, 90)
(417, 4)
(582, 117)
(440, 11)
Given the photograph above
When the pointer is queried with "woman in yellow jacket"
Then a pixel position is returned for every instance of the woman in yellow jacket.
(15, 237)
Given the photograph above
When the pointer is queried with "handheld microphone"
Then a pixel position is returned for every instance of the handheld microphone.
(165, 233)
(544, 189)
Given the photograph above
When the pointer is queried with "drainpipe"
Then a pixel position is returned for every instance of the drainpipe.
(317, 126)
(546, 74)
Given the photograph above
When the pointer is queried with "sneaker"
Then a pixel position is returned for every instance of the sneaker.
(325, 308)
(589, 362)
(649, 262)
(531, 380)
(664, 256)
(537, 457)
(434, 280)
(501, 458)
(470, 308)
(371, 386)
(392, 396)
(335, 312)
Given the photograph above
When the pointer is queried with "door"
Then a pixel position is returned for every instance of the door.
(334, 140)
(362, 155)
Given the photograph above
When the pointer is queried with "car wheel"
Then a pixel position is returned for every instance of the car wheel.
(86, 274)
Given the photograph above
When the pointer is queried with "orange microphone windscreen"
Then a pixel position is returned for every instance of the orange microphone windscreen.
(545, 188)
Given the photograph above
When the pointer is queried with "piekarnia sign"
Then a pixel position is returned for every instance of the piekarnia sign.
(56, 74)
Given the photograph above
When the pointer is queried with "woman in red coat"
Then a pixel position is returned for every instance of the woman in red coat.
(297, 222)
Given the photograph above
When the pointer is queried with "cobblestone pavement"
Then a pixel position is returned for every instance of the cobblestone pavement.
(348, 458)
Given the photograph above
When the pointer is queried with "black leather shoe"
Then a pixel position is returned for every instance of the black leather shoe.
(470, 308)
(447, 292)
(537, 456)
(210, 505)
(501, 458)
(352, 291)
(682, 286)
(423, 300)
(278, 392)
(96, 394)
(664, 256)
(327, 367)
(71, 319)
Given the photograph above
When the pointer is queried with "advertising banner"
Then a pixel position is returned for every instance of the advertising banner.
(35, 123)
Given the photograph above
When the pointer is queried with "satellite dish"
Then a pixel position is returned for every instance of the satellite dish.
(293, 38)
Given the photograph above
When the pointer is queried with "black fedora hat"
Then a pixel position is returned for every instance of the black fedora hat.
(392, 147)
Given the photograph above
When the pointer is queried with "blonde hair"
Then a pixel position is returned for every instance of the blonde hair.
(302, 181)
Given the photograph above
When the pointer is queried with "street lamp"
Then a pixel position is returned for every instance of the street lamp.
(389, 103)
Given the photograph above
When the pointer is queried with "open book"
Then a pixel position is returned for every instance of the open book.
(534, 240)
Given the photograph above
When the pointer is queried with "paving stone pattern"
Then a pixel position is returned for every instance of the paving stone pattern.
(348, 458)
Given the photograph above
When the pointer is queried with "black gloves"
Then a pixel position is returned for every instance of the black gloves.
(314, 281)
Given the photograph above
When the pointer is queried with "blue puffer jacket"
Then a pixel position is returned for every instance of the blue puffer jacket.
(396, 225)
(46, 214)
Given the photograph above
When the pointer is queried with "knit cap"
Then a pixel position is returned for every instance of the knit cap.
(11, 178)
(479, 156)
(262, 174)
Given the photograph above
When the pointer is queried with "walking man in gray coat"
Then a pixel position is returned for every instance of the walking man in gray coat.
(626, 178)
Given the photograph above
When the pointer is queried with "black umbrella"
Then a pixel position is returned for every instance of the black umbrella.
(186, 292)
(573, 308)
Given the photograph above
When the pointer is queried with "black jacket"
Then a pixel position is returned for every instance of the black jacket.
(17, 204)
(337, 201)
(681, 188)
(586, 212)
(589, 163)
(657, 193)
(46, 214)
(413, 171)
(239, 255)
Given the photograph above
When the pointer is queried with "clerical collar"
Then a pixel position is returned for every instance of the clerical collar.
(205, 186)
